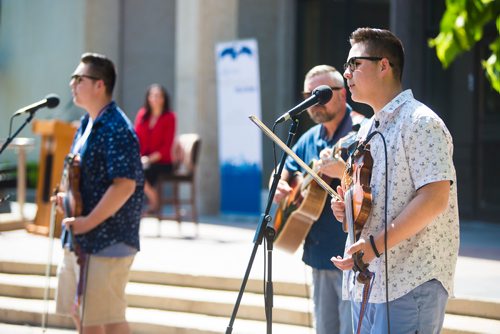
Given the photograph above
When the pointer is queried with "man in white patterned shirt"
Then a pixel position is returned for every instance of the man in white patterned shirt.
(422, 212)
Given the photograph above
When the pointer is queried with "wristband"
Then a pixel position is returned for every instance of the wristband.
(372, 242)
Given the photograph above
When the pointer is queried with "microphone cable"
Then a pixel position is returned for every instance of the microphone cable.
(386, 199)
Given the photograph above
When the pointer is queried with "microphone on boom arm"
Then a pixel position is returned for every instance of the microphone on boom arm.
(50, 101)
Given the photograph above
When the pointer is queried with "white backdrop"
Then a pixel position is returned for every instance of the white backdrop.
(240, 149)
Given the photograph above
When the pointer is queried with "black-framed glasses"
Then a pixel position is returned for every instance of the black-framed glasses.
(307, 95)
(352, 63)
(79, 77)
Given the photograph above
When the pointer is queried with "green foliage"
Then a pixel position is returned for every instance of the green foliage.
(8, 174)
(32, 174)
(462, 26)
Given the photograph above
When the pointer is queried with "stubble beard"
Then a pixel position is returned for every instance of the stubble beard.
(321, 115)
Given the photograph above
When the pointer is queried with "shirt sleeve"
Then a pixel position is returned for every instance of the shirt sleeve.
(291, 165)
(430, 151)
(121, 152)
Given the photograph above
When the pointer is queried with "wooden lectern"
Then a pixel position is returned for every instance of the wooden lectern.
(57, 137)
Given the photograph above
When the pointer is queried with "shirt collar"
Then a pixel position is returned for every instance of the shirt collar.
(102, 113)
(394, 104)
(344, 127)
(100, 118)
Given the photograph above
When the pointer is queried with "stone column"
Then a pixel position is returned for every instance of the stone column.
(200, 25)
(103, 34)
(407, 22)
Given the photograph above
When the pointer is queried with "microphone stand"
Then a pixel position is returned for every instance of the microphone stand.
(267, 230)
(11, 138)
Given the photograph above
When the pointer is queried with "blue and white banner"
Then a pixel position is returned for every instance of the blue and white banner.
(240, 149)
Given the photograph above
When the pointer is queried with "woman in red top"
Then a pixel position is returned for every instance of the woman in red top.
(155, 127)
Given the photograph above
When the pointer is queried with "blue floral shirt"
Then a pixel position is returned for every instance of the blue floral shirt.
(111, 151)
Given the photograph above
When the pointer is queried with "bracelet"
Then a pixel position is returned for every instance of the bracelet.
(375, 250)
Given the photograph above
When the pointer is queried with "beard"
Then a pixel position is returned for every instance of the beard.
(320, 114)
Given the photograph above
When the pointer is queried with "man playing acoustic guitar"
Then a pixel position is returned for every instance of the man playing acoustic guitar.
(326, 237)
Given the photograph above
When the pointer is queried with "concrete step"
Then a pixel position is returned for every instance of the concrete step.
(147, 321)
(169, 278)
(13, 220)
(190, 299)
(459, 324)
(30, 329)
(218, 283)
(481, 308)
(287, 309)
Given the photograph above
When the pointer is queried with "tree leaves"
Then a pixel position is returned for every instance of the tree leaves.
(462, 27)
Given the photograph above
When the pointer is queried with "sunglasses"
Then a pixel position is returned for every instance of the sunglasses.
(307, 95)
(79, 77)
(353, 64)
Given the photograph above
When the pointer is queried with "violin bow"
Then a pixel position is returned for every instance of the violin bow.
(294, 156)
(48, 265)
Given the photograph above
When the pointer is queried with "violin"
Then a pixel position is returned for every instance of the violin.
(70, 184)
(358, 201)
(72, 207)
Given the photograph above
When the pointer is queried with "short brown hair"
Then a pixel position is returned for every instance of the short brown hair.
(381, 43)
(324, 69)
(101, 67)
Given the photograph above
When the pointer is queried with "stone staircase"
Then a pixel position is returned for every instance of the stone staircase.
(163, 302)
(182, 303)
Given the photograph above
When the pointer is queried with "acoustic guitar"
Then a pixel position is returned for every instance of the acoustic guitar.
(303, 206)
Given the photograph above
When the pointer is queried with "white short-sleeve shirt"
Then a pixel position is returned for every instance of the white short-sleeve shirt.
(419, 152)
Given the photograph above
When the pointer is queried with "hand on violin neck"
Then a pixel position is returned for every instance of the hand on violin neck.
(338, 207)
(58, 199)
(347, 263)
(364, 246)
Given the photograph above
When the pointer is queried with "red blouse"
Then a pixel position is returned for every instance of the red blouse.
(160, 138)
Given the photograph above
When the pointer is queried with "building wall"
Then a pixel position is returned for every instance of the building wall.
(147, 50)
(200, 25)
(37, 57)
(272, 23)
(172, 42)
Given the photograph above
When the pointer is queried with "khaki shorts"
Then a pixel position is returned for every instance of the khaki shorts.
(104, 299)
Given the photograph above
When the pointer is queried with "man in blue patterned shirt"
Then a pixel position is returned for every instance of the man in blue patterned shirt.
(111, 188)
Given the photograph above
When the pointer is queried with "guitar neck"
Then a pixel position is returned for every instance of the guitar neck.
(349, 216)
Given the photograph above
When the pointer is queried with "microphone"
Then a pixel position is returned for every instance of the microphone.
(50, 101)
(322, 94)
